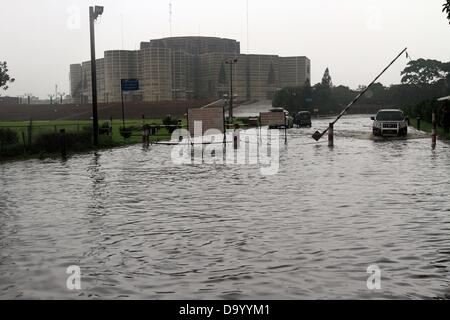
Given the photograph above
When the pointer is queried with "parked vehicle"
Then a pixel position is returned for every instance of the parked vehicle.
(289, 119)
(390, 122)
(303, 119)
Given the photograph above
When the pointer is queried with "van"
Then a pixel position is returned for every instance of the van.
(303, 119)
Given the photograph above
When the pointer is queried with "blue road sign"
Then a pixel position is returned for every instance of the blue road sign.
(130, 84)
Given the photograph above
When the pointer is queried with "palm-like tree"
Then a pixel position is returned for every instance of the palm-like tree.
(446, 8)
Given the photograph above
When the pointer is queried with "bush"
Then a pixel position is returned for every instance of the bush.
(126, 132)
(105, 125)
(8, 137)
(104, 129)
(88, 129)
(170, 122)
(13, 150)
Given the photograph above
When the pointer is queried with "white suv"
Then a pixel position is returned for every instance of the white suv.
(390, 122)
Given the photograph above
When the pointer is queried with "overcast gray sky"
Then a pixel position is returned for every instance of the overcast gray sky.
(354, 38)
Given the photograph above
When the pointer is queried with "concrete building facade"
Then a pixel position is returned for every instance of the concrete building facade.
(182, 68)
(76, 86)
(155, 74)
(86, 80)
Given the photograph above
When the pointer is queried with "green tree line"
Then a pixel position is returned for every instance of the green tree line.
(422, 81)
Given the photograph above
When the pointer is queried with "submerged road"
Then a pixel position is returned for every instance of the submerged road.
(140, 226)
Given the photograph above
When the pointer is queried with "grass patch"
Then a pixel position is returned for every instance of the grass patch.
(427, 127)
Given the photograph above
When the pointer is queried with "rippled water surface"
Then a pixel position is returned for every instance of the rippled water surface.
(141, 227)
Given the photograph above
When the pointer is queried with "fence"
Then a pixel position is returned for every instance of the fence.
(19, 139)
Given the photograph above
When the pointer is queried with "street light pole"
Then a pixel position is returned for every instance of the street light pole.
(94, 13)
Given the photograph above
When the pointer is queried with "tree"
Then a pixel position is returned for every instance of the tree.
(323, 98)
(446, 9)
(4, 76)
(421, 71)
(343, 95)
(375, 95)
(289, 98)
(326, 79)
(308, 94)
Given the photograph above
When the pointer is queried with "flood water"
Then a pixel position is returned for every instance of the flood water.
(142, 227)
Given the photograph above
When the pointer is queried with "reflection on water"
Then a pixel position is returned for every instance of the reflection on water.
(141, 227)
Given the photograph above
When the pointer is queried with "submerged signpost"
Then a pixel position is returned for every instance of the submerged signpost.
(317, 135)
(127, 85)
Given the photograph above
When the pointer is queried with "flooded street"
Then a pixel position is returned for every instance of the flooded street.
(142, 227)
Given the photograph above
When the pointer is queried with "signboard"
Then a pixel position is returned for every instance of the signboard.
(130, 84)
(275, 119)
(211, 118)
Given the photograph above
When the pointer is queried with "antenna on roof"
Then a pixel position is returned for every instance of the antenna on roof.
(170, 18)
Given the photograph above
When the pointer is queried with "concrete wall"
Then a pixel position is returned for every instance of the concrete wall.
(86, 80)
(155, 74)
(255, 77)
(295, 71)
(119, 64)
(263, 76)
(196, 45)
(75, 82)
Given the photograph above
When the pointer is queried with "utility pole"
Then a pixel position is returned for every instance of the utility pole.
(231, 62)
(94, 13)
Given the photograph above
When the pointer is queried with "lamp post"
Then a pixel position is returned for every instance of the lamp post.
(231, 62)
(61, 97)
(94, 13)
(51, 96)
(28, 96)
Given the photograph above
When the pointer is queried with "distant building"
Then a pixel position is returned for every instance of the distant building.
(182, 68)
(9, 100)
(76, 84)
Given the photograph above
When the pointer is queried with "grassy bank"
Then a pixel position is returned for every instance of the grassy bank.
(427, 127)
(16, 142)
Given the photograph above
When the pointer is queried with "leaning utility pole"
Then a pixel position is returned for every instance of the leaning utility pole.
(94, 13)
